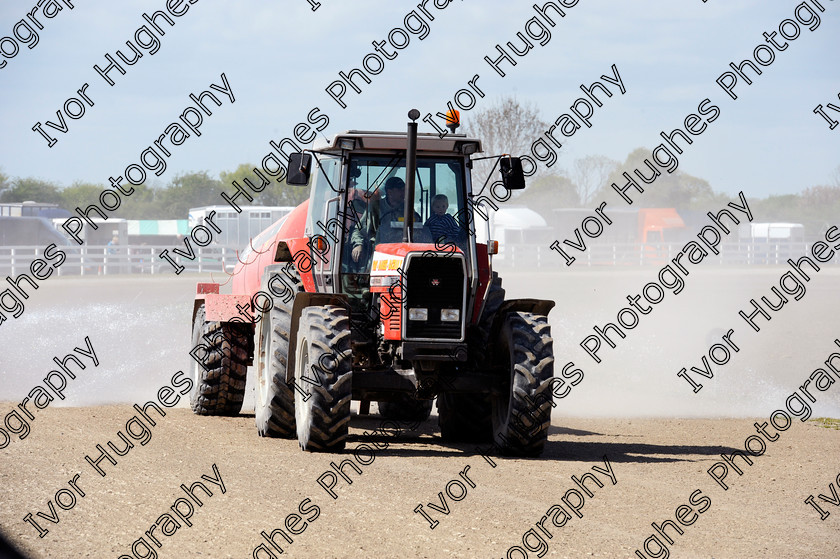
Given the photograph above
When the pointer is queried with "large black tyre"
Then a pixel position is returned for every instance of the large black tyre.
(274, 409)
(323, 371)
(406, 408)
(522, 409)
(464, 417)
(219, 384)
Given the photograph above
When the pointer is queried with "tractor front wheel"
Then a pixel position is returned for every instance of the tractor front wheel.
(323, 373)
(522, 408)
(275, 399)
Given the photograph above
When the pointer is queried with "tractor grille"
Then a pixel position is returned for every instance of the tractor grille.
(434, 283)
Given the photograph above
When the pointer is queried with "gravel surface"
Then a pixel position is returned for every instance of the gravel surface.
(630, 418)
(657, 466)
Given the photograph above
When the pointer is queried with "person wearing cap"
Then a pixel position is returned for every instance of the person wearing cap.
(376, 226)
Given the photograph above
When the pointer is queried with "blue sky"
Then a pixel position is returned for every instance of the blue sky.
(280, 56)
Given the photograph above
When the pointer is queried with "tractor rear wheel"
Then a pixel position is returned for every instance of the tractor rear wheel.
(324, 374)
(522, 409)
(219, 382)
(275, 399)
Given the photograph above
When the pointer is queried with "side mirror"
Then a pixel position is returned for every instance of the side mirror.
(300, 165)
(512, 176)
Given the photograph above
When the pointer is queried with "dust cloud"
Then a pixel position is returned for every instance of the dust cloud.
(140, 330)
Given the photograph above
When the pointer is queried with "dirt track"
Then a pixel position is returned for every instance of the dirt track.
(657, 465)
(139, 328)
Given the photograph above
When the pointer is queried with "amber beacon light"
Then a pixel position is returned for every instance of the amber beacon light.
(453, 120)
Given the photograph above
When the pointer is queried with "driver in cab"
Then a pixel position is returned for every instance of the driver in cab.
(383, 219)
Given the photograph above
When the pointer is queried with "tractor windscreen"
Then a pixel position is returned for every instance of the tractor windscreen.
(376, 192)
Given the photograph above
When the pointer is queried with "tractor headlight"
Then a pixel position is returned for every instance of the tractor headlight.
(450, 315)
(418, 314)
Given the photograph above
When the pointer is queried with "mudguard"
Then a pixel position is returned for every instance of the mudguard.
(220, 307)
(536, 306)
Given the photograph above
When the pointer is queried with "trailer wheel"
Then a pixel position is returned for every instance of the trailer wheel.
(522, 408)
(275, 399)
(219, 383)
(464, 417)
(406, 408)
(324, 374)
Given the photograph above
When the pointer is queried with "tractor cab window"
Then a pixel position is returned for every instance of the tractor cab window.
(445, 215)
(323, 202)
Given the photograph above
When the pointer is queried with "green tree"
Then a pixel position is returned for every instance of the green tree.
(143, 203)
(547, 193)
(670, 190)
(826, 198)
(36, 190)
(81, 195)
(274, 194)
(820, 206)
(784, 207)
(185, 191)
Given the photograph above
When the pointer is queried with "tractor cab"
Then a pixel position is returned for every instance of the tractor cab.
(372, 249)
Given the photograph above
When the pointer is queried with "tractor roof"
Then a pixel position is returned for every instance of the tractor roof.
(387, 141)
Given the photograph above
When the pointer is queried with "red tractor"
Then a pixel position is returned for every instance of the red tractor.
(377, 289)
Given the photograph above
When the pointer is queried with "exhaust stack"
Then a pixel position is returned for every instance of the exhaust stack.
(410, 172)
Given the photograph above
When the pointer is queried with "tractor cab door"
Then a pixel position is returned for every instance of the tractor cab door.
(322, 226)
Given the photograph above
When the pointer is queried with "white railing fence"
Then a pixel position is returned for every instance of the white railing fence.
(144, 259)
(634, 254)
(125, 259)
